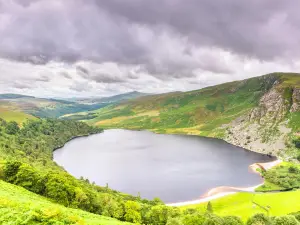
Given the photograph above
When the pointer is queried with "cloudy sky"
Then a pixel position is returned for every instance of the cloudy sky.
(64, 48)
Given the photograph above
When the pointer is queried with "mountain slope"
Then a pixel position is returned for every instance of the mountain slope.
(19, 206)
(10, 113)
(112, 99)
(54, 108)
(260, 114)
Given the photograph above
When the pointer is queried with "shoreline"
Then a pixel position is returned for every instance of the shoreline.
(213, 193)
(223, 191)
(195, 135)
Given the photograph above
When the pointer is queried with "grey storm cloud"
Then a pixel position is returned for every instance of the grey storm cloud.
(38, 31)
(107, 78)
(65, 75)
(252, 28)
(80, 86)
(82, 71)
(22, 85)
(43, 78)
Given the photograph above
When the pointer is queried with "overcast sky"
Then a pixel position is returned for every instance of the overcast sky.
(65, 48)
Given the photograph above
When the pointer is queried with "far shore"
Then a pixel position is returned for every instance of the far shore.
(222, 191)
(214, 193)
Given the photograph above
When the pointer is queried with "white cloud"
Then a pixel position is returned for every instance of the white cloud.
(63, 80)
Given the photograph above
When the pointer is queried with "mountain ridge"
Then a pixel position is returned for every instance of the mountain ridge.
(260, 113)
(54, 108)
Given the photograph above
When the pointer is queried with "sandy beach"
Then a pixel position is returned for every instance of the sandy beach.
(222, 191)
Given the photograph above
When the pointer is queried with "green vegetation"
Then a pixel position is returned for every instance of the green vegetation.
(10, 114)
(54, 108)
(53, 196)
(26, 155)
(19, 206)
(285, 176)
(197, 112)
(210, 112)
(246, 205)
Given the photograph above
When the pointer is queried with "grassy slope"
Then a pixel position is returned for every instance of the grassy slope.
(200, 112)
(13, 115)
(203, 112)
(19, 205)
(241, 204)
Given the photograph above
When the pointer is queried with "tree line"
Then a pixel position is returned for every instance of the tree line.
(26, 161)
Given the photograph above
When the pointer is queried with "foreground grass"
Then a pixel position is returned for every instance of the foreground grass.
(19, 206)
(245, 205)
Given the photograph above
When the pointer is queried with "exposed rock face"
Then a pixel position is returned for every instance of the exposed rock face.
(272, 107)
(296, 100)
(264, 130)
(252, 136)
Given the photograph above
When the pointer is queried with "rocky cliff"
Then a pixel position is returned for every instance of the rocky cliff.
(265, 128)
(260, 114)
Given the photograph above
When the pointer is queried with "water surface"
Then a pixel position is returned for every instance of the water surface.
(172, 167)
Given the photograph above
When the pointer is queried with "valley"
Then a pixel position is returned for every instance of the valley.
(260, 114)
(174, 168)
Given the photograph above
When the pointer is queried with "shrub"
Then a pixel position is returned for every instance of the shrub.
(286, 220)
(10, 170)
(297, 143)
(232, 220)
(158, 215)
(192, 217)
(209, 207)
(132, 212)
(259, 219)
(56, 182)
(213, 220)
(298, 157)
(30, 179)
(296, 215)
(293, 169)
(174, 221)
(12, 128)
(111, 207)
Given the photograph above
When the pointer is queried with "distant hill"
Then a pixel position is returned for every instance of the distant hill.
(260, 114)
(54, 108)
(13, 96)
(111, 99)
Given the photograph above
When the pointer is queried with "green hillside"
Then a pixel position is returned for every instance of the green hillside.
(110, 99)
(260, 114)
(43, 107)
(10, 114)
(246, 205)
(19, 206)
(55, 108)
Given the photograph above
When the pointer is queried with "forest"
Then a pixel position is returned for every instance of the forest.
(26, 161)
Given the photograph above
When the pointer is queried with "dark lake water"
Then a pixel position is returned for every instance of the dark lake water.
(172, 167)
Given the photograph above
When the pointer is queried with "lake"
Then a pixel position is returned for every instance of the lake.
(174, 168)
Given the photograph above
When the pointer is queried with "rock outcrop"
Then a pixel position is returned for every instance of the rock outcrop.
(272, 108)
(295, 100)
(265, 129)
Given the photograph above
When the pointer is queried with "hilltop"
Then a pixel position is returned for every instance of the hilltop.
(261, 114)
(30, 106)
(258, 113)
(111, 99)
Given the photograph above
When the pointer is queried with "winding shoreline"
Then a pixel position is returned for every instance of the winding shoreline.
(222, 191)
(214, 193)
